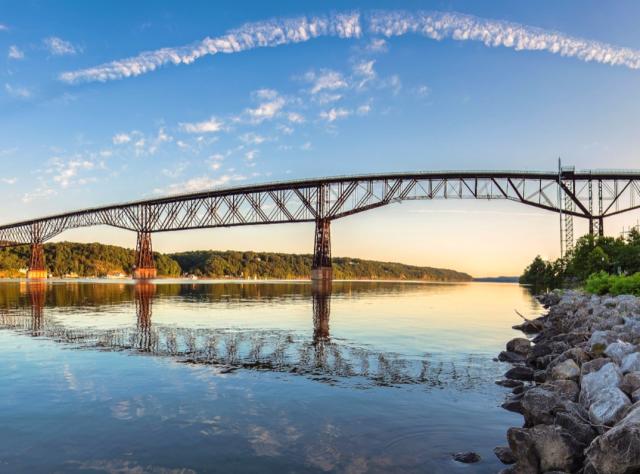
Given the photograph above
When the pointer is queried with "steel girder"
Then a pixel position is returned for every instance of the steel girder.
(334, 198)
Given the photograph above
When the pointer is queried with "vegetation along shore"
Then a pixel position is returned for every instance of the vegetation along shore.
(97, 260)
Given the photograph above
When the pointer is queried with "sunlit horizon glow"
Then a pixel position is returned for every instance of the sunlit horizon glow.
(101, 108)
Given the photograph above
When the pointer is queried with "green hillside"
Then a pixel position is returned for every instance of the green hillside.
(97, 260)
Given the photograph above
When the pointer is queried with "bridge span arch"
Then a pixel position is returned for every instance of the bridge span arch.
(590, 194)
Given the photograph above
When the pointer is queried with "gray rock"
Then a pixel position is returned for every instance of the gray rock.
(509, 383)
(599, 341)
(513, 357)
(467, 458)
(519, 345)
(610, 405)
(630, 382)
(577, 425)
(635, 396)
(618, 450)
(631, 363)
(528, 327)
(567, 370)
(519, 373)
(617, 351)
(628, 304)
(609, 376)
(593, 366)
(548, 347)
(539, 406)
(567, 389)
(544, 448)
(504, 454)
(521, 444)
(610, 302)
(540, 376)
(513, 404)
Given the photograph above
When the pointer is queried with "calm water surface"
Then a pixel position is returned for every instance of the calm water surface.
(253, 377)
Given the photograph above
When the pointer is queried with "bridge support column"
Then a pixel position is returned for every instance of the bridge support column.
(37, 269)
(321, 270)
(145, 268)
(596, 226)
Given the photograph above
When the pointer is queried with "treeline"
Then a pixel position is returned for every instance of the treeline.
(231, 264)
(85, 260)
(591, 255)
(97, 260)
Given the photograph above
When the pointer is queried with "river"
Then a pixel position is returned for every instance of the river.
(253, 377)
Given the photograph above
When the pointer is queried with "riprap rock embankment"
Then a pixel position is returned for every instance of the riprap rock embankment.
(577, 384)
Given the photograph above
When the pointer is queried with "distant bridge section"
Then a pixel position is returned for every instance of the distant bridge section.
(592, 194)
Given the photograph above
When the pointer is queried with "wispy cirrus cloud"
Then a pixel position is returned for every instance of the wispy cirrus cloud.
(498, 33)
(211, 125)
(18, 92)
(334, 114)
(249, 36)
(433, 25)
(199, 183)
(59, 47)
(3, 27)
(15, 52)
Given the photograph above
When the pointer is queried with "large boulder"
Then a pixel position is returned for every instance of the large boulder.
(631, 363)
(548, 347)
(628, 304)
(512, 357)
(609, 406)
(539, 406)
(617, 351)
(544, 448)
(504, 454)
(593, 366)
(567, 370)
(599, 341)
(519, 345)
(519, 373)
(578, 425)
(618, 450)
(567, 389)
(609, 376)
(630, 382)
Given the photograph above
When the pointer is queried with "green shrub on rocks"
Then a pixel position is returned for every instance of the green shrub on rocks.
(602, 283)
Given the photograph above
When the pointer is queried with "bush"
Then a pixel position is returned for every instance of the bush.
(602, 283)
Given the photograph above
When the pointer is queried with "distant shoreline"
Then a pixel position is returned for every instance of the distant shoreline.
(179, 280)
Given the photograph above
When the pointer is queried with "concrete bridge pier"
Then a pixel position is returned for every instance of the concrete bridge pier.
(321, 269)
(37, 269)
(145, 268)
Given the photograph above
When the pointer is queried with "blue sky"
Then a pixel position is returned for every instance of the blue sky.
(90, 114)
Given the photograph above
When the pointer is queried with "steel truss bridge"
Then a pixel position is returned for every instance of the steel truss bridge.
(591, 194)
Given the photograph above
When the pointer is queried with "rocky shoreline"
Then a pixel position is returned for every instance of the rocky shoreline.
(576, 381)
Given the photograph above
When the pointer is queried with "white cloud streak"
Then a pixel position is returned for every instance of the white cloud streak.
(121, 138)
(17, 91)
(495, 33)
(334, 114)
(208, 126)
(252, 35)
(15, 52)
(200, 183)
(59, 47)
(434, 25)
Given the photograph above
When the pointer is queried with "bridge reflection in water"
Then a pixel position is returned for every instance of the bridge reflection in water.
(319, 357)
